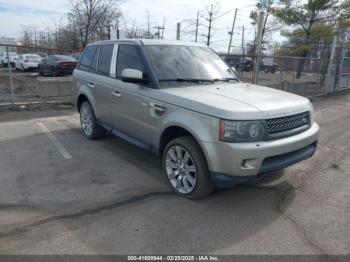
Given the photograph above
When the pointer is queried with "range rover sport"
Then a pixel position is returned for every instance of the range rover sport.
(180, 101)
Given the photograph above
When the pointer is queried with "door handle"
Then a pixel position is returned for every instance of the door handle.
(91, 85)
(116, 94)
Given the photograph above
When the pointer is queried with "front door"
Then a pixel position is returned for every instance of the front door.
(133, 108)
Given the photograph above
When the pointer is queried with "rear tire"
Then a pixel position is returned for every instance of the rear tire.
(88, 122)
(185, 168)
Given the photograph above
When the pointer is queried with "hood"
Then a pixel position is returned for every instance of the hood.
(239, 101)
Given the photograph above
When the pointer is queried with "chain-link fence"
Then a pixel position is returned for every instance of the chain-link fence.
(27, 74)
(304, 76)
(344, 74)
(20, 82)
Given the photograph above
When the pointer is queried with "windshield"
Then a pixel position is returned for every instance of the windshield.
(182, 63)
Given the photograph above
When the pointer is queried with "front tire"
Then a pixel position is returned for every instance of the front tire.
(88, 122)
(185, 168)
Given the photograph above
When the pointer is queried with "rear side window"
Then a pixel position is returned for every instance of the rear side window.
(87, 58)
(93, 67)
(105, 58)
(128, 58)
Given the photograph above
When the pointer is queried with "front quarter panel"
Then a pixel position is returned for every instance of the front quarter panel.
(202, 127)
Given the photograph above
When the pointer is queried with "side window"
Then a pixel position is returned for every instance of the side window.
(105, 58)
(128, 58)
(95, 60)
(86, 60)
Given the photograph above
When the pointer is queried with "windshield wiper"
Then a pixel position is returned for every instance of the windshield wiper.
(228, 79)
(194, 80)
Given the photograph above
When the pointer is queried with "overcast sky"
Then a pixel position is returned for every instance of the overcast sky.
(15, 13)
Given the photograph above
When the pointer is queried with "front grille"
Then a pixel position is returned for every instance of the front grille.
(286, 123)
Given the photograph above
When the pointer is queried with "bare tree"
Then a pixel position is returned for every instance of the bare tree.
(194, 25)
(131, 31)
(89, 16)
(212, 14)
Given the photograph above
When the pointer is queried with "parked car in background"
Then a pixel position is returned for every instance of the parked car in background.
(4, 58)
(246, 65)
(41, 54)
(2, 53)
(56, 65)
(268, 65)
(182, 102)
(27, 62)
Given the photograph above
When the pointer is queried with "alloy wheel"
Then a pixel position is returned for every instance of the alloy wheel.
(181, 169)
(86, 119)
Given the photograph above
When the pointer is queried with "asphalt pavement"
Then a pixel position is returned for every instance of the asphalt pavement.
(63, 194)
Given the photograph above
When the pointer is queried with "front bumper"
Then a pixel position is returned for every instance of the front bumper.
(240, 162)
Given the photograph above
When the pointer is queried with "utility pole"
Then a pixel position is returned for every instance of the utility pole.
(197, 25)
(258, 47)
(10, 75)
(178, 30)
(117, 25)
(158, 30)
(163, 28)
(148, 25)
(231, 32)
(210, 19)
(243, 51)
(243, 40)
(331, 74)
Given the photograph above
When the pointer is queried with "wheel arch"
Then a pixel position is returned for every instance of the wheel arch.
(81, 99)
(174, 131)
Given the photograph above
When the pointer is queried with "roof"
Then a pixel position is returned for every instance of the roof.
(150, 42)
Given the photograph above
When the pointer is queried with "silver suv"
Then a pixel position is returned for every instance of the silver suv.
(182, 102)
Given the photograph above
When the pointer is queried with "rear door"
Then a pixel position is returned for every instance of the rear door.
(87, 80)
(96, 77)
(104, 81)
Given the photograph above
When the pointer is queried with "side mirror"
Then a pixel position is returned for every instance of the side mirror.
(132, 76)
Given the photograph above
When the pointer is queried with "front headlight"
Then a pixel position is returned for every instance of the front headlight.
(241, 131)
